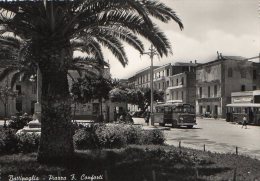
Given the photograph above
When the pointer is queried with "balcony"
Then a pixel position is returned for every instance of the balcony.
(209, 99)
(159, 78)
(179, 86)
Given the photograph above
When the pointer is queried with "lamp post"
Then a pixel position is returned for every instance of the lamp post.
(152, 51)
(37, 105)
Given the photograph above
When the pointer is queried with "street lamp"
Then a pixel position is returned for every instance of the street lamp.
(37, 105)
(152, 51)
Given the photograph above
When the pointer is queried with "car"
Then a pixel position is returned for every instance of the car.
(32, 127)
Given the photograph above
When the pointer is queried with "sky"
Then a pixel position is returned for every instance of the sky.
(231, 27)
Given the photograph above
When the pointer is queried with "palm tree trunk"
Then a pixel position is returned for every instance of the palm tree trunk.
(56, 143)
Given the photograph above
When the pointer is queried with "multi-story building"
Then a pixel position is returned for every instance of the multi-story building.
(181, 83)
(168, 78)
(161, 77)
(25, 99)
(216, 80)
(143, 77)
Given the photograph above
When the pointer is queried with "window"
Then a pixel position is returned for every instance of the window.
(200, 109)
(230, 72)
(208, 109)
(254, 74)
(19, 89)
(243, 87)
(159, 86)
(216, 110)
(177, 82)
(181, 95)
(215, 90)
(200, 92)
(182, 81)
(19, 105)
(163, 85)
(254, 87)
(208, 91)
(177, 95)
(243, 73)
(167, 72)
(167, 83)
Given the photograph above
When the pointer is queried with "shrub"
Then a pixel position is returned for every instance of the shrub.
(111, 136)
(8, 141)
(155, 137)
(18, 122)
(115, 136)
(85, 138)
(28, 142)
(133, 134)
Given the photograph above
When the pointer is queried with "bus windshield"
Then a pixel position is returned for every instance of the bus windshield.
(186, 108)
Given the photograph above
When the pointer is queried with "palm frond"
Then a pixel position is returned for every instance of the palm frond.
(115, 46)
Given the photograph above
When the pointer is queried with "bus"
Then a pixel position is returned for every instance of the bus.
(176, 114)
(235, 113)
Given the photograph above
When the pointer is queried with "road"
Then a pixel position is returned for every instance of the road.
(217, 135)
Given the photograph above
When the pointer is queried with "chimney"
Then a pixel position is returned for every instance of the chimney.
(218, 55)
(195, 61)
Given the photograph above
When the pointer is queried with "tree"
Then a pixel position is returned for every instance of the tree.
(89, 88)
(50, 26)
(137, 96)
(5, 94)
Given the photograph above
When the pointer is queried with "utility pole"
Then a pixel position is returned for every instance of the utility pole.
(152, 51)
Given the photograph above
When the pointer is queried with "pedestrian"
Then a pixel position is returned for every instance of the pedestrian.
(147, 117)
(244, 123)
(129, 119)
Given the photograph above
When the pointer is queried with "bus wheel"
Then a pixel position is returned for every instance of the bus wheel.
(161, 124)
(175, 125)
(190, 126)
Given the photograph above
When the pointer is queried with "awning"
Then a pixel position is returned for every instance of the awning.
(244, 105)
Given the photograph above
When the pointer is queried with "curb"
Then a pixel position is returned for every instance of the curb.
(154, 127)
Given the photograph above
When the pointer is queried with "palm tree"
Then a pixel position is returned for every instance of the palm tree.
(50, 26)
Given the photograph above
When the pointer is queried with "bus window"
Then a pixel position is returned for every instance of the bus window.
(188, 109)
(167, 109)
(159, 109)
(178, 109)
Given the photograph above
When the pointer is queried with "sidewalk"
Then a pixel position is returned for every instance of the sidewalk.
(141, 122)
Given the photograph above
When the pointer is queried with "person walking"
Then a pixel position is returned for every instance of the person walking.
(244, 122)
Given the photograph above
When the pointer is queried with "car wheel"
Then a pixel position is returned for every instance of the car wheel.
(190, 126)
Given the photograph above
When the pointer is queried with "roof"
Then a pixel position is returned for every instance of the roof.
(145, 69)
(234, 58)
(224, 58)
(185, 64)
(244, 105)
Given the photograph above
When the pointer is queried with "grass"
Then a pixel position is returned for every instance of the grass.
(138, 163)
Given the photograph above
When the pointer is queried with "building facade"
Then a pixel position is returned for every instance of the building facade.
(216, 80)
(182, 87)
